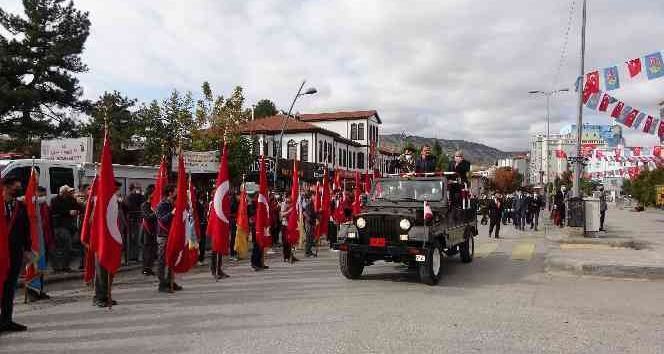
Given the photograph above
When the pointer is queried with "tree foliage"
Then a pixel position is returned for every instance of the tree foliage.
(265, 108)
(642, 188)
(38, 63)
(506, 180)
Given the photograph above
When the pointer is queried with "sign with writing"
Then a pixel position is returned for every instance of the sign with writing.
(75, 150)
(198, 161)
(269, 165)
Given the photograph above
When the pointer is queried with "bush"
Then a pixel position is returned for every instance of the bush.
(642, 188)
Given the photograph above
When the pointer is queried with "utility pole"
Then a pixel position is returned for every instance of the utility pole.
(578, 165)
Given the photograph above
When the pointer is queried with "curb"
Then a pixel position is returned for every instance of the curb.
(57, 278)
(604, 270)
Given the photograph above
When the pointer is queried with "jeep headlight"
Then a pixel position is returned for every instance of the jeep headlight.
(404, 224)
(351, 235)
(361, 223)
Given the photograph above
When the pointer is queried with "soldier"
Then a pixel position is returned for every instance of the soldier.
(165, 212)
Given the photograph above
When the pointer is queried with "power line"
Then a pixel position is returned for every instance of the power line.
(563, 49)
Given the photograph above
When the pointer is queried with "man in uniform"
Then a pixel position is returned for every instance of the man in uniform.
(19, 243)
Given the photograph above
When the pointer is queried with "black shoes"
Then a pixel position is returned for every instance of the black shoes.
(104, 303)
(166, 288)
(148, 272)
(13, 327)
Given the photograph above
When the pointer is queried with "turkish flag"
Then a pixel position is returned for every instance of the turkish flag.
(634, 67)
(4, 243)
(105, 226)
(317, 208)
(325, 209)
(648, 124)
(636, 151)
(367, 184)
(631, 117)
(337, 180)
(617, 109)
(188, 255)
(263, 236)
(87, 235)
(604, 104)
(428, 214)
(657, 150)
(161, 182)
(31, 270)
(293, 234)
(176, 234)
(357, 203)
(591, 86)
(218, 227)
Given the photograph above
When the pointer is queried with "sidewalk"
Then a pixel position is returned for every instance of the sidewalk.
(632, 247)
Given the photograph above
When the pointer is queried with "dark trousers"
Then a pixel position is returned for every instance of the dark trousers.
(286, 247)
(602, 214)
(101, 283)
(61, 255)
(216, 262)
(535, 219)
(309, 230)
(163, 273)
(256, 253)
(149, 249)
(494, 222)
(233, 227)
(7, 305)
(332, 233)
(202, 244)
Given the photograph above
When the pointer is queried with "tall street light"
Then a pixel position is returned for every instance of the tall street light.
(309, 91)
(546, 94)
(578, 166)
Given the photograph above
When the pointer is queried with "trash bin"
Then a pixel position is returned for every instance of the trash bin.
(592, 214)
(575, 212)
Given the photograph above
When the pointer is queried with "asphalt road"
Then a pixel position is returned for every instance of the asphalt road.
(500, 303)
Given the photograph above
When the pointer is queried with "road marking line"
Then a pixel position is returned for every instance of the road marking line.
(485, 249)
(589, 246)
(523, 251)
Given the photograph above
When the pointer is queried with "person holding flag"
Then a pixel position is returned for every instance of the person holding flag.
(34, 271)
(149, 231)
(289, 218)
(165, 211)
(263, 237)
(218, 227)
(15, 250)
(242, 229)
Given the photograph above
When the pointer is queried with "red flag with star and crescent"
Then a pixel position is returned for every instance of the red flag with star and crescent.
(87, 234)
(325, 209)
(188, 255)
(218, 227)
(357, 202)
(31, 270)
(293, 234)
(161, 182)
(105, 227)
(263, 236)
(175, 245)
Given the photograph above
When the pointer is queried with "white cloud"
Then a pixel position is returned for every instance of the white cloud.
(453, 69)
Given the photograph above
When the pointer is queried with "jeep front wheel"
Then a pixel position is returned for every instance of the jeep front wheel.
(350, 266)
(467, 249)
(430, 269)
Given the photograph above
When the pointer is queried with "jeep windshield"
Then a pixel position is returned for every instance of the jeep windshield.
(405, 189)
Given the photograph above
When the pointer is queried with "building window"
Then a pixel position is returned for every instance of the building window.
(360, 160)
(254, 146)
(276, 148)
(354, 157)
(320, 151)
(345, 161)
(353, 131)
(291, 153)
(330, 153)
(304, 150)
(341, 161)
(360, 131)
(265, 147)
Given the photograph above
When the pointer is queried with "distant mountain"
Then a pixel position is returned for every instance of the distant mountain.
(476, 153)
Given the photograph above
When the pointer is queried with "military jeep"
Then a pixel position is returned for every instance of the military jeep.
(392, 226)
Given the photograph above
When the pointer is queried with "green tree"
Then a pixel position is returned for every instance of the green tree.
(38, 62)
(123, 125)
(265, 108)
(442, 159)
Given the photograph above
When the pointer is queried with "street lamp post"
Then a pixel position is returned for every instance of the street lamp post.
(546, 94)
(309, 91)
(578, 166)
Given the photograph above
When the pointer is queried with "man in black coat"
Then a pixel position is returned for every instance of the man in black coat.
(165, 211)
(496, 207)
(425, 163)
(19, 242)
(459, 165)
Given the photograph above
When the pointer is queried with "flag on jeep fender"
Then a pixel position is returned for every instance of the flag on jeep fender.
(428, 214)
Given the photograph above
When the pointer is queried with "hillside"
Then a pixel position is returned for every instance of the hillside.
(476, 153)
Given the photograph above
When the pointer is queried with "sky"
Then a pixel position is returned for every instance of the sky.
(453, 69)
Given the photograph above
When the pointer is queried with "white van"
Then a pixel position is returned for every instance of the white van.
(55, 174)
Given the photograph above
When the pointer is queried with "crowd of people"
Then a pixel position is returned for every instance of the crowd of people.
(522, 209)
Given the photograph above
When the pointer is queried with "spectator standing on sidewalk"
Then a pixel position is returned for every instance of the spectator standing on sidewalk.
(602, 207)
(559, 206)
(133, 203)
(64, 213)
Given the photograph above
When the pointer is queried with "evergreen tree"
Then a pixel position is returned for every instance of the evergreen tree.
(38, 61)
(265, 108)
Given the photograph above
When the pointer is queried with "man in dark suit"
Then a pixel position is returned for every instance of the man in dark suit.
(19, 243)
(459, 165)
(425, 163)
(496, 207)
